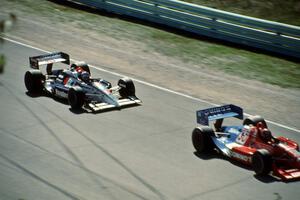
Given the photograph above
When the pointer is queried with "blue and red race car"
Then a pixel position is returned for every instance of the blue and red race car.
(252, 143)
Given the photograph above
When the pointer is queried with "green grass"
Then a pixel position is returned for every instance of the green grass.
(214, 56)
(233, 61)
(284, 11)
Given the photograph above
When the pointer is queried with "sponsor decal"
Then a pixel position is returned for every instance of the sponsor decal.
(217, 110)
(243, 136)
(66, 80)
(240, 156)
(61, 93)
(233, 130)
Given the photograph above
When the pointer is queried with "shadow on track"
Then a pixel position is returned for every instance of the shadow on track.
(76, 111)
(215, 155)
(44, 94)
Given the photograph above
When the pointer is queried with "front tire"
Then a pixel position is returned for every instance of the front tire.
(34, 80)
(127, 87)
(262, 162)
(76, 97)
(202, 141)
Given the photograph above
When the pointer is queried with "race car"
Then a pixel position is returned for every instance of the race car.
(76, 85)
(251, 143)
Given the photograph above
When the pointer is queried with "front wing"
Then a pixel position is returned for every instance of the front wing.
(286, 174)
(96, 107)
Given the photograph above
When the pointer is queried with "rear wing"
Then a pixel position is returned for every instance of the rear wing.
(49, 59)
(221, 112)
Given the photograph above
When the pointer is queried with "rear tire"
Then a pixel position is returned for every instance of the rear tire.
(254, 120)
(202, 141)
(76, 97)
(262, 162)
(34, 80)
(127, 87)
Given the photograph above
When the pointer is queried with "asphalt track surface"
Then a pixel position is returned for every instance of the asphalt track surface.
(144, 152)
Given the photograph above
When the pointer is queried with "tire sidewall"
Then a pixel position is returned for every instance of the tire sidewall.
(262, 162)
(33, 80)
(76, 97)
(201, 139)
(127, 87)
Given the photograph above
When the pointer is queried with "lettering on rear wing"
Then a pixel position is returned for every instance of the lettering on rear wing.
(47, 59)
(221, 112)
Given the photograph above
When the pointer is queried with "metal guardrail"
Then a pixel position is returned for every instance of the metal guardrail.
(267, 35)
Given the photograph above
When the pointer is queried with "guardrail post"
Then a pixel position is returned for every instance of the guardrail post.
(213, 27)
(279, 35)
(155, 13)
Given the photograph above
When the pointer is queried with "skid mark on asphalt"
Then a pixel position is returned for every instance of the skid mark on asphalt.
(217, 189)
(71, 163)
(8, 166)
(35, 176)
(75, 157)
(106, 152)
(63, 145)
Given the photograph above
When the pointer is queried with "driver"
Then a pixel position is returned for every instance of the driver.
(264, 133)
(84, 76)
(80, 73)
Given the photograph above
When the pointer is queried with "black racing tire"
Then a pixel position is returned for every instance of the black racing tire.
(76, 97)
(127, 87)
(202, 139)
(83, 65)
(34, 80)
(254, 120)
(262, 162)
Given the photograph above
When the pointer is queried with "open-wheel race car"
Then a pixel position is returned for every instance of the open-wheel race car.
(251, 143)
(76, 85)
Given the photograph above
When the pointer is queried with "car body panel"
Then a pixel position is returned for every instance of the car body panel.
(99, 95)
(241, 142)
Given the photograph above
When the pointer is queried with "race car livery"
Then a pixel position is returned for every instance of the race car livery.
(251, 143)
(76, 85)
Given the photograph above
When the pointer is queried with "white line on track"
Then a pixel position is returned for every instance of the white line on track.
(151, 85)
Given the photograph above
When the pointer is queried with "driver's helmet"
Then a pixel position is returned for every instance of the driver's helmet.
(266, 134)
(85, 76)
